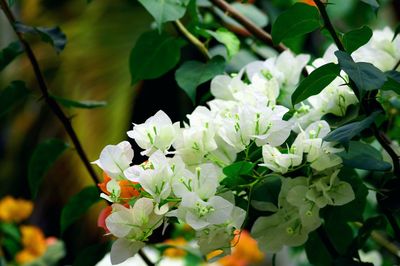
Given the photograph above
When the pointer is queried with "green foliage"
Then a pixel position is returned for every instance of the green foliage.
(345, 133)
(43, 157)
(393, 81)
(165, 10)
(298, 20)
(227, 38)
(317, 254)
(52, 35)
(396, 32)
(373, 3)
(8, 54)
(389, 198)
(193, 73)
(365, 75)
(266, 192)
(78, 205)
(79, 104)
(363, 156)
(153, 55)
(92, 254)
(356, 38)
(10, 230)
(315, 82)
(12, 95)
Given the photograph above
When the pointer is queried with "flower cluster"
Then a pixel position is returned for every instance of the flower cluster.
(183, 177)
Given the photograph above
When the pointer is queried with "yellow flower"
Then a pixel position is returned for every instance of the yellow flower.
(15, 210)
(34, 244)
(175, 252)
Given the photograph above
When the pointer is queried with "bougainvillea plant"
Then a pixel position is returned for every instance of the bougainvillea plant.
(300, 151)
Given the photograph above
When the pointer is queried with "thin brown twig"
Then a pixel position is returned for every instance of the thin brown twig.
(53, 105)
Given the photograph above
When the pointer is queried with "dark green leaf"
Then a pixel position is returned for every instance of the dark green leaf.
(352, 211)
(298, 20)
(92, 254)
(193, 73)
(165, 10)
(238, 168)
(393, 81)
(15, 93)
(227, 38)
(78, 205)
(373, 3)
(335, 121)
(11, 2)
(153, 55)
(315, 82)
(340, 233)
(356, 38)
(345, 133)
(365, 75)
(8, 54)
(267, 190)
(396, 32)
(389, 198)
(316, 251)
(51, 35)
(10, 230)
(363, 156)
(79, 104)
(43, 157)
(11, 246)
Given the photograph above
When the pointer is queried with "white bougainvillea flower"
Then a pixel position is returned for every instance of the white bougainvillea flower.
(115, 159)
(225, 87)
(204, 182)
(123, 249)
(156, 133)
(199, 213)
(277, 161)
(155, 175)
(329, 190)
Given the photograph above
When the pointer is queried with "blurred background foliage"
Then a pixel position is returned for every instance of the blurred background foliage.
(94, 65)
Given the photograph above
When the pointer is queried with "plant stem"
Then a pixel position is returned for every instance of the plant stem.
(397, 65)
(145, 258)
(192, 39)
(53, 105)
(379, 135)
(327, 242)
(248, 24)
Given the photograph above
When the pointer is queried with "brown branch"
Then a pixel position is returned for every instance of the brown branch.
(256, 31)
(248, 24)
(53, 105)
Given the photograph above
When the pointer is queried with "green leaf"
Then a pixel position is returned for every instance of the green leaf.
(51, 35)
(352, 211)
(11, 246)
(345, 133)
(315, 82)
(335, 121)
(78, 205)
(267, 190)
(393, 81)
(153, 55)
(396, 32)
(11, 2)
(193, 73)
(165, 10)
(10, 230)
(363, 156)
(43, 157)
(238, 168)
(365, 75)
(298, 20)
(316, 251)
(355, 39)
(373, 3)
(92, 254)
(12, 95)
(8, 54)
(79, 104)
(389, 198)
(227, 38)
(250, 11)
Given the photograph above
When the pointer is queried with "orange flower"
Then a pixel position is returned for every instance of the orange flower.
(308, 2)
(175, 252)
(245, 251)
(101, 221)
(15, 210)
(128, 189)
(34, 244)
